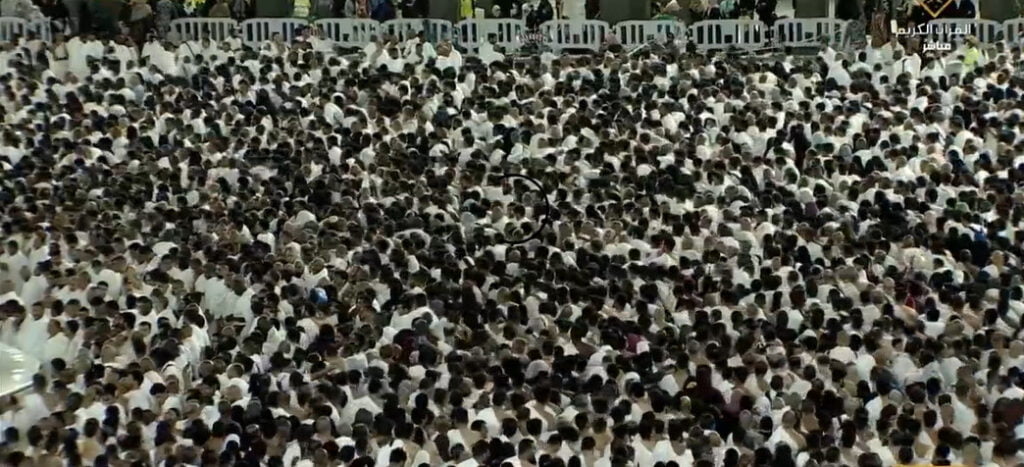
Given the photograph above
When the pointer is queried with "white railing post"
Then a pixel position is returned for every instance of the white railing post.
(404, 29)
(806, 32)
(11, 27)
(349, 33)
(259, 30)
(558, 35)
(574, 34)
(726, 34)
(1013, 30)
(470, 34)
(219, 29)
(636, 33)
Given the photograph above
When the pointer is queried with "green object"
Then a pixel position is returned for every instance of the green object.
(300, 9)
(971, 57)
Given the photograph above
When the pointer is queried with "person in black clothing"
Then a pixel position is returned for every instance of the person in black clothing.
(508, 8)
(962, 9)
(543, 13)
(766, 11)
(705, 399)
(384, 11)
(55, 10)
(414, 8)
(848, 11)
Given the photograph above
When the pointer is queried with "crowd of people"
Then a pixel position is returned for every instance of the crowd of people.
(291, 257)
(142, 18)
(691, 11)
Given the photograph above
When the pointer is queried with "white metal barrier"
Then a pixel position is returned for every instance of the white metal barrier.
(507, 33)
(259, 30)
(809, 31)
(194, 28)
(1013, 31)
(956, 29)
(558, 35)
(726, 34)
(41, 29)
(990, 31)
(11, 27)
(635, 33)
(439, 30)
(435, 30)
(404, 29)
(574, 34)
(349, 32)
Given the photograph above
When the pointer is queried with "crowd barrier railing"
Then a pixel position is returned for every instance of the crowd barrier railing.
(726, 34)
(194, 28)
(574, 34)
(256, 31)
(508, 34)
(435, 30)
(1013, 30)
(636, 33)
(41, 29)
(11, 28)
(809, 31)
(990, 31)
(349, 32)
(558, 35)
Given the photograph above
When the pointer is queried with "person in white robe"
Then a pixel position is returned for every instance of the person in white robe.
(57, 345)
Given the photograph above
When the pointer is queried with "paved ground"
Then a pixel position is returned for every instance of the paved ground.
(16, 370)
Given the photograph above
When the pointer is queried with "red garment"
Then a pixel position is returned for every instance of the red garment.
(631, 341)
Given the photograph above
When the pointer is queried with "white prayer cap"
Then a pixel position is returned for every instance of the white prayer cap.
(154, 377)
(240, 384)
(11, 296)
(536, 367)
(356, 362)
(378, 363)
(172, 370)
